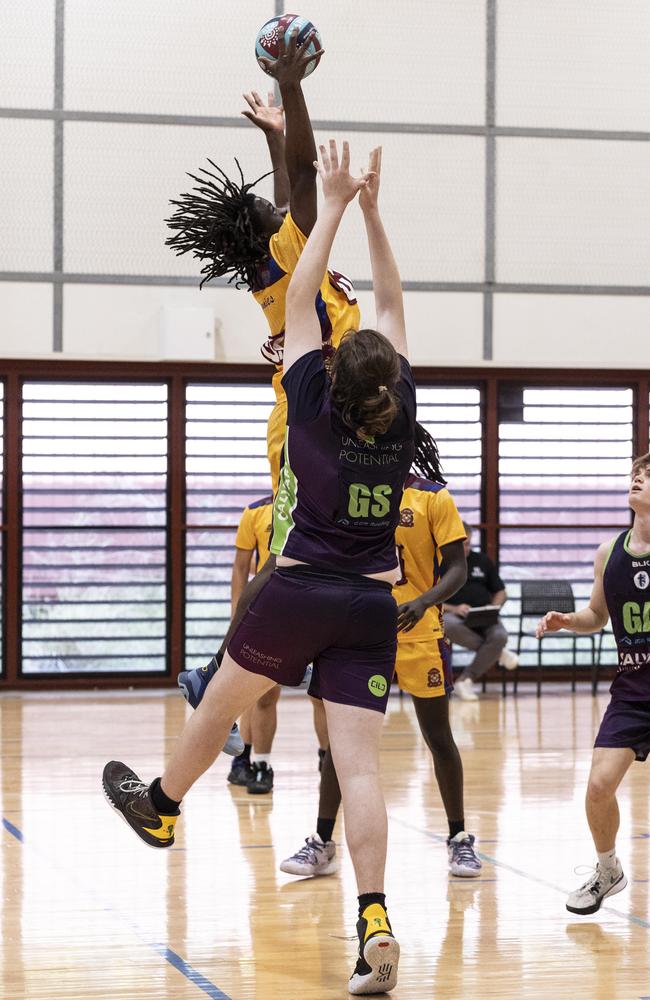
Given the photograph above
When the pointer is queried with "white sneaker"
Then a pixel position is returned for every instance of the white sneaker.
(464, 862)
(604, 882)
(465, 690)
(314, 858)
(508, 659)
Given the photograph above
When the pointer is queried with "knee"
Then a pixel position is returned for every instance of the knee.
(441, 745)
(498, 639)
(599, 789)
(270, 699)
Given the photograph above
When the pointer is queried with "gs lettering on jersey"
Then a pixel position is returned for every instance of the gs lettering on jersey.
(366, 500)
(636, 617)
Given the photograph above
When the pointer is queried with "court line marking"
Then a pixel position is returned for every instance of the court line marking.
(517, 871)
(190, 973)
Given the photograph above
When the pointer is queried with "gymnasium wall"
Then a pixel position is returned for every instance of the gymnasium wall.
(517, 156)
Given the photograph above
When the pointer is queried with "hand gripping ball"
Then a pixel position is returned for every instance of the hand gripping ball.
(269, 38)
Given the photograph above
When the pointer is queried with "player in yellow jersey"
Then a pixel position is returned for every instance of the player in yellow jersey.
(429, 539)
(234, 232)
(259, 722)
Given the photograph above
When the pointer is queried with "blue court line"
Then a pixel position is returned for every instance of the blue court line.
(170, 956)
(517, 871)
(13, 830)
(190, 973)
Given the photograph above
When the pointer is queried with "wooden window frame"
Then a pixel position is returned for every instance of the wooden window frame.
(177, 375)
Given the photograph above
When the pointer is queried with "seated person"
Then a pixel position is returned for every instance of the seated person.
(484, 586)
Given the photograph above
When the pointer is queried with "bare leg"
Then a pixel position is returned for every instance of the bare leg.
(264, 721)
(354, 739)
(230, 692)
(608, 768)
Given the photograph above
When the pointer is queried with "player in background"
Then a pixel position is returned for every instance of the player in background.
(223, 223)
(237, 233)
(621, 592)
(429, 539)
(258, 724)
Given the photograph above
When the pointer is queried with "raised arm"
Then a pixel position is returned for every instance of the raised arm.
(300, 148)
(302, 330)
(387, 286)
(270, 119)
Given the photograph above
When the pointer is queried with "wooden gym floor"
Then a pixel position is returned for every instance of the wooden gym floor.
(90, 912)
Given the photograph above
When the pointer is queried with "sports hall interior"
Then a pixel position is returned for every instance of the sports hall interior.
(516, 159)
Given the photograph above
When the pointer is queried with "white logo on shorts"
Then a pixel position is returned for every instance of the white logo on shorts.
(642, 580)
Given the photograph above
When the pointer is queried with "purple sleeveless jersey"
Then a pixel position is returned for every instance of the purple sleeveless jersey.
(626, 581)
(337, 504)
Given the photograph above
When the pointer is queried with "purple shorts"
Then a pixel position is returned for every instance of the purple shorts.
(343, 623)
(626, 724)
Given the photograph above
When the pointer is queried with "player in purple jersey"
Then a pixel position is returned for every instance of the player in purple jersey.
(621, 592)
(348, 450)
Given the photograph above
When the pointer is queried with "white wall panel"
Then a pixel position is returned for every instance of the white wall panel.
(119, 178)
(432, 201)
(118, 182)
(570, 331)
(25, 318)
(414, 62)
(444, 327)
(162, 56)
(573, 211)
(27, 53)
(123, 321)
(573, 65)
(26, 151)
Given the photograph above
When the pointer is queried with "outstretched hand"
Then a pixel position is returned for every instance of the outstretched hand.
(552, 621)
(289, 67)
(269, 117)
(338, 183)
(370, 193)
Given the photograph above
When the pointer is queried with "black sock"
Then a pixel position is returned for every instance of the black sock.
(456, 826)
(325, 828)
(245, 756)
(161, 802)
(368, 898)
(321, 754)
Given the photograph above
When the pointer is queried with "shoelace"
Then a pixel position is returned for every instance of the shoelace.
(593, 882)
(309, 852)
(464, 852)
(135, 786)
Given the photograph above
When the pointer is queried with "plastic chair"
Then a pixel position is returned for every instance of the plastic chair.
(538, 597)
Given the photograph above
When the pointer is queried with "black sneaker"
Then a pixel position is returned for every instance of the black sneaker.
(241, 772)
(376, 968)
(262, 780)
(132, 799)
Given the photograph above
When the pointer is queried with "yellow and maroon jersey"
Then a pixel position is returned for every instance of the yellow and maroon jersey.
(254, 531)
(336, 303)
(429, 519)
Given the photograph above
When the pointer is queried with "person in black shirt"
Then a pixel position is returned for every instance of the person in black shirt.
(484, 586)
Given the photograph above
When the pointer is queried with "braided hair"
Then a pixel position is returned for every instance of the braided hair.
(215, 222)
(426, 460)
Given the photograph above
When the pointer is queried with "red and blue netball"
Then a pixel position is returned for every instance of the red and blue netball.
(268, 44)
